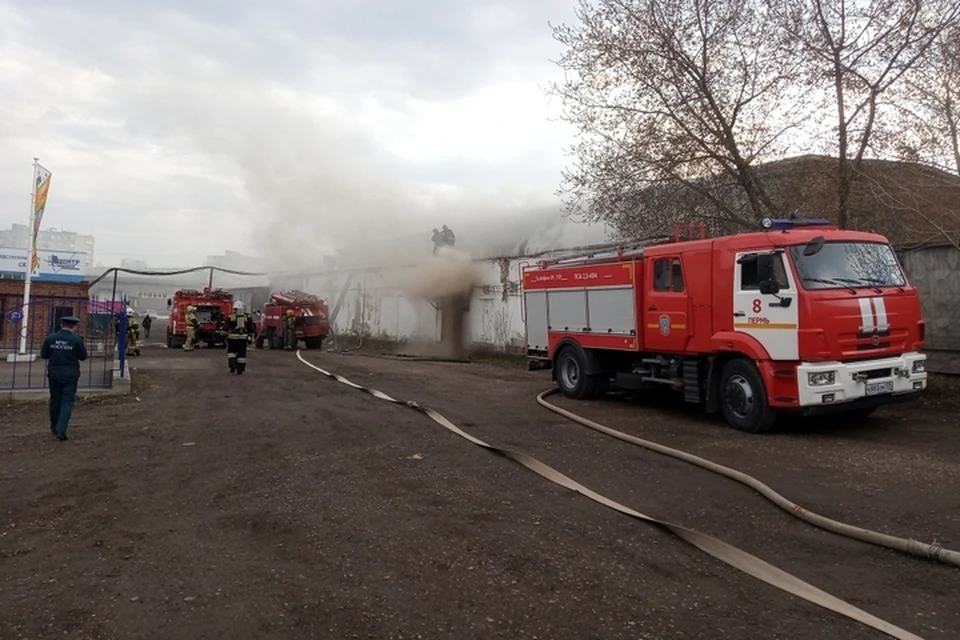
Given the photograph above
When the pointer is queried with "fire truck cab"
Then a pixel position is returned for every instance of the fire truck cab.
(801, 317)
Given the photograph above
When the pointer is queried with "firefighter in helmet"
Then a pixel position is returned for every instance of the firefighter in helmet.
(239, 332)
(289, 331)
(133, 334)
(192, 326)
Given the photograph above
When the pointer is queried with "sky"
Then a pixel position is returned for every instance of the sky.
(177, 130)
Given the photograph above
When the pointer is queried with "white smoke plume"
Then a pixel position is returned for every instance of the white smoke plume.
(449, 273)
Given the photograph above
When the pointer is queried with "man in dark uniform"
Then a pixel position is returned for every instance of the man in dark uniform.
(63, 352)
(239, 330)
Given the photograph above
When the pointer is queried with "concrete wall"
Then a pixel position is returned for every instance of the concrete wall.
(935, 271)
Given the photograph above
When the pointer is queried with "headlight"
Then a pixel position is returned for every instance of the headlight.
(919, 366)
(821, 379)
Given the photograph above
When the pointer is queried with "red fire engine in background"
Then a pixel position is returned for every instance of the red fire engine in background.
(311, 319)
(213, 306)
(801, 316)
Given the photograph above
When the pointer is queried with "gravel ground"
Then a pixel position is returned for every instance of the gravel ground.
(281, 504)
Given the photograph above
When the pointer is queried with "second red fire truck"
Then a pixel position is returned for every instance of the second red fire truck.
(211, 306)
(800, 317)
(310, 314)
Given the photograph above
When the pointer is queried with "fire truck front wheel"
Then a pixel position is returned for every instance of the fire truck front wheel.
(743, 398)
(570, 372)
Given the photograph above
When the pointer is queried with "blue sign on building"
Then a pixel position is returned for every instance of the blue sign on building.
(55, 266)
(15, 315)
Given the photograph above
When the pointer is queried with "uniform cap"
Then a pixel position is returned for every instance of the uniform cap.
(70, 320)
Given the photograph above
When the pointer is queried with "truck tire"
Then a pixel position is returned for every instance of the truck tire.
(259, 341)
(169, 339)
(743, 398)
(570, 372)
(315, 342)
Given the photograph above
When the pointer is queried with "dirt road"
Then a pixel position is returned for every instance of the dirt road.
(281, 504)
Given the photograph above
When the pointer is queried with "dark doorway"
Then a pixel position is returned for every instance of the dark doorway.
(59, 313)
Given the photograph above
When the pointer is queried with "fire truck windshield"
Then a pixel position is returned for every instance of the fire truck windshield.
(846, 265)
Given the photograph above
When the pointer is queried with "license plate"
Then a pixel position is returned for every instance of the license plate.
(876, 388)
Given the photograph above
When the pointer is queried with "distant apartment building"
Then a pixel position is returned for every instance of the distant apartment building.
(49, 239)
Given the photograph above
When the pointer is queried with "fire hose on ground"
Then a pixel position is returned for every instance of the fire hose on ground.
(715, 547)
(913, 547)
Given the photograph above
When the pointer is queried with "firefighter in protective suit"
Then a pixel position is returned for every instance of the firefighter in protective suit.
(289, 331)
(192, 326)
(133, 334)
(239, 332)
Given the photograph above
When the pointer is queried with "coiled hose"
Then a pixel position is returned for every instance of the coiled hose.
(913, 547)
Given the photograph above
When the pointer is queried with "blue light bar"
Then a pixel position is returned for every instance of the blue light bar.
(773, 223)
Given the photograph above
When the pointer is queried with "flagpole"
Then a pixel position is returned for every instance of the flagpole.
(25, 320)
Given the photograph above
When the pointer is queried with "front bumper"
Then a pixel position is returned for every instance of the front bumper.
(881, 380)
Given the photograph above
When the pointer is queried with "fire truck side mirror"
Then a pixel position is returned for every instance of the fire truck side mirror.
(169, 302)
(813, 247)
(769, 287)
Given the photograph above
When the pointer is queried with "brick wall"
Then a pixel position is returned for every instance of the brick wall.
(45, 298)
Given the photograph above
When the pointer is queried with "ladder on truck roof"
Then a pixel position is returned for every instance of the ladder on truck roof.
(294, 297)
(622, 252)
(302, 296)
(681, 233)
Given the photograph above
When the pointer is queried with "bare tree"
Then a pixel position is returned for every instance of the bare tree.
(928, 102)
(864, 48)
(675, 102)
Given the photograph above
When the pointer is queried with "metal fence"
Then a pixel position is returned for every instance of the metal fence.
(98, 320)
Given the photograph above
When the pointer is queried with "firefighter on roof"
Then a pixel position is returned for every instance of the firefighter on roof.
(192, 325)
(289, 331)
(239, 330)
(449, 239)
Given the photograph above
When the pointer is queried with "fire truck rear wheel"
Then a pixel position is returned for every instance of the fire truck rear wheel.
(743, 398)
(571, 375)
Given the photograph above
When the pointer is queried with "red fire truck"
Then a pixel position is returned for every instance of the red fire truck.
(801, 316)
(213, 306)
(311, 319)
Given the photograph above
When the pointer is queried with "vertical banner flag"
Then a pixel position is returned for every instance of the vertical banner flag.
(41, 187)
